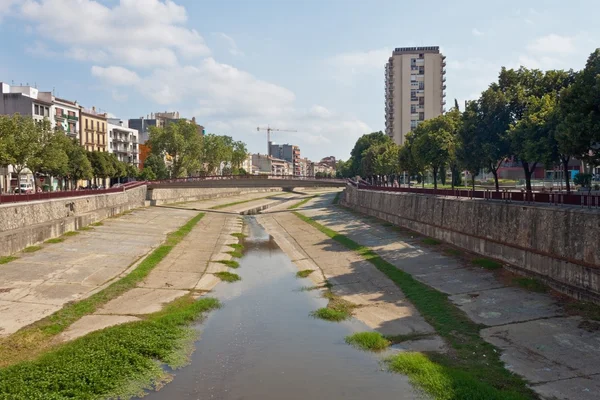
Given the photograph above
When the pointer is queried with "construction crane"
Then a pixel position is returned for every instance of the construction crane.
(269, 130)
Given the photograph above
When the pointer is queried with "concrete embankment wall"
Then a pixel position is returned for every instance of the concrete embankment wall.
(559, 246)
(158, 196)
(30, 223)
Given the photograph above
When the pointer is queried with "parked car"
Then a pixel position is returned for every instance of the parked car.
(24, 188)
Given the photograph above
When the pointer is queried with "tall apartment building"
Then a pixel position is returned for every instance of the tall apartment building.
(289, 153)
(415, 85)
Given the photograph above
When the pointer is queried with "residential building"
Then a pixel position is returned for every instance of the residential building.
(415, 85)
(330, 161)
(321, 168)
(123, 142)
(93, 129)
(288, 152)
(269, 165)
(66, 115)
(247, 165)
(27, 100)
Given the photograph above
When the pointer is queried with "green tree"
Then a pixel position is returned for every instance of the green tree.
(25, 143)
(434, 143)
(8, 128)
(362, 144)
(80, 167)
(469, 149)
(102, 165)
(579, 132)
(217, 149)
(156, 164)
(132, 171)
(147, 174)
(181, 141)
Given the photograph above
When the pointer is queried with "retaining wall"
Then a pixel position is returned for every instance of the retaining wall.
(27, 224)
(158, 196)
(558, 245)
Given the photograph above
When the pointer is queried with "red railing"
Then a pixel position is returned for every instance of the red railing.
(554, 198)
(18, 198)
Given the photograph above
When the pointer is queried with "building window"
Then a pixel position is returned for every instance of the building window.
(413, 108)
(86, 124)
(421, 116)
(46, 112)
(87, 137)
(103, 127)
(421, 85)
(37, 110)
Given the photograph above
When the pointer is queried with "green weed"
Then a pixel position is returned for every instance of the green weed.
(7, 259)
(230, 263)
(302, 202)
(329, 314)
(31, 249)
(372, 341)
(70, 233)
(235, 254)
(530, 284)
(304, 273)
(85, 228)
(227, 276)
(431, 241)
(454, 252)
(99, 223)
(55, 240)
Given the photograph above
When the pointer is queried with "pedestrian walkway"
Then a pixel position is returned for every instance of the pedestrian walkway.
(558, 354)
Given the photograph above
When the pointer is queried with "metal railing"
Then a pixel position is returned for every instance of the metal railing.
(24, 197)
(551, 198)
(245, 177)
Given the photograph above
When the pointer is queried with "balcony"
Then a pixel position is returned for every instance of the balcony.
(443, 64)
(443, 87)
(443, 79)
(443, 71)
(443, 102)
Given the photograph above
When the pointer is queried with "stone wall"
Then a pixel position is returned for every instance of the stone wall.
(30, 223)
(560, 246)
(158, 196)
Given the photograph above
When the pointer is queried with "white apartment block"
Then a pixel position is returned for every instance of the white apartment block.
(415, 85)
(123, 142)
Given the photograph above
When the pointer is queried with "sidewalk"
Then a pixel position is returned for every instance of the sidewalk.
(558, 354)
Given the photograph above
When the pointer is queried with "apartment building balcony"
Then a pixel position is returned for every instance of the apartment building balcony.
(443, 94)
(443, 71)
(443, 63)
(443, 102)
(443, 87)
(443, 79)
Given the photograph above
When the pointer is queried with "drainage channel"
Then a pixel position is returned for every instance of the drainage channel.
(263, 345)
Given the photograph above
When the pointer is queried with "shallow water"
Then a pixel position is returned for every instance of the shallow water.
(263, 345)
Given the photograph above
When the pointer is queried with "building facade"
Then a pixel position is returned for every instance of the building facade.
(93, 129)
(415, 85)
(289, 153)
(123, 142)
(27, 100)
(66, 115)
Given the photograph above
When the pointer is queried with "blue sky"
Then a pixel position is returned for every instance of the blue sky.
(313, 66)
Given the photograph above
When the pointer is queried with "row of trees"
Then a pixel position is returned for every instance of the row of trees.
(530, 116)
(191, 154)
(34, 145)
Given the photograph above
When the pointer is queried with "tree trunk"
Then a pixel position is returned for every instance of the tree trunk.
(473, 181)
(496, 181)
(452, 172)
(528, 173)
(435, 172)
(565, 163)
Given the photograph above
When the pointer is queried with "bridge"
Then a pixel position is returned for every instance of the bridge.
(247, 181)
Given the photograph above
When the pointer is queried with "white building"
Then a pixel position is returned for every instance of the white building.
(123, 142)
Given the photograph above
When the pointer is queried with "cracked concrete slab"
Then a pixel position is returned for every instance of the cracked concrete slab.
(506, 305)
(548, 349)
(171, 280)
(430, 344)
(462, 280)
(14, 315)
(400, 318)
(582, 388)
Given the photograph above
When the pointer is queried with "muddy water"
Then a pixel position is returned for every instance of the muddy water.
(263, 345)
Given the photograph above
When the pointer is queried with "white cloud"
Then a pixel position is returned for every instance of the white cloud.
(118, 96)
(6, 7)
(117, 76)
(39, 49)
(553, 44)
(347, 66)
(233, 47)
(134, 32)
(477, 32)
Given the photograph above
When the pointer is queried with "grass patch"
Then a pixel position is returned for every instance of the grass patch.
(530, 284)
(235, 203)
(336, 199)
(329, 314)
(31, 341)
(337, 309)
(85, 228)
(239, 235)
(227, 276)
(117, 362)
(304, 273)
(236, 246)
(454, 252)
(55, 240)
(230, 263)
(70, 233)
(471, 356)
(235, 253)
(431, 241)
(487, 263)
(372, 341)
(99, 223)
(444, 382)
(7, 259)
(387, 224)
(31, 249)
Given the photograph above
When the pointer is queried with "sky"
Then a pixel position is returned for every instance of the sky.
(313, 66)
